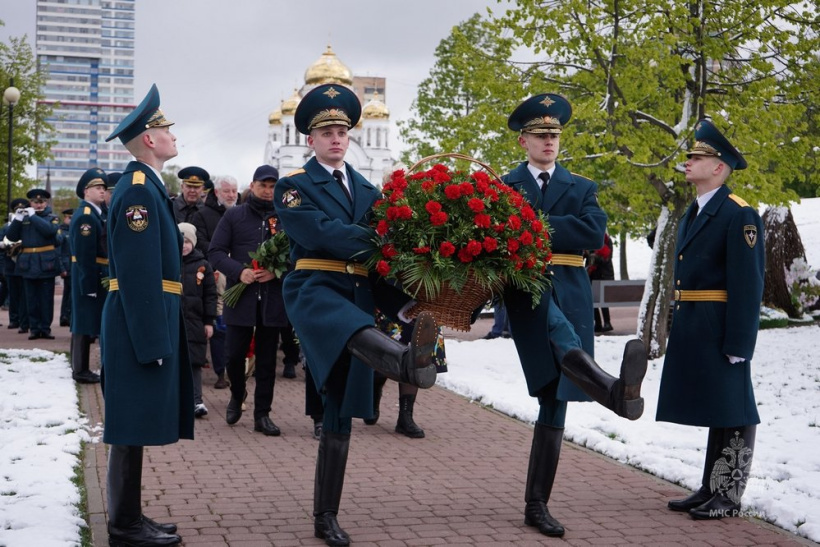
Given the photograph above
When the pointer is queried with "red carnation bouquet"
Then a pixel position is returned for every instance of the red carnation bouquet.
(273, 255)
(447, 234)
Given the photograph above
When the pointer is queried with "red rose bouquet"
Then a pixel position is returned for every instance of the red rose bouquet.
(446, 232)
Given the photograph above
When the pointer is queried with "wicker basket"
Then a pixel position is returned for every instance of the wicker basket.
(451, 308)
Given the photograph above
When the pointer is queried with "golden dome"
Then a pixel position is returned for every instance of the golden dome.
(275, 117)
(289, 107)
(375, 109)
(328, 70)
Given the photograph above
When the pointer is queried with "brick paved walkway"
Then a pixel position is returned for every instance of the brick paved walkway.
(463, 484)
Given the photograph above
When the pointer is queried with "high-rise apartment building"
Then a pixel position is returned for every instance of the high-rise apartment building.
(87, 49)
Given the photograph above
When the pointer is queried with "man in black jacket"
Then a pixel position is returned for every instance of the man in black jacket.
(223, 196)
(240, 232)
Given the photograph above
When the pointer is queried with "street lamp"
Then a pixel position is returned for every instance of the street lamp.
(10, 96)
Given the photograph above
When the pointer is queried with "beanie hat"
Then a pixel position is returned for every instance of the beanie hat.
(188, 232)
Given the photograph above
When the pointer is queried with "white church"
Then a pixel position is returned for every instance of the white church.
(369, 151)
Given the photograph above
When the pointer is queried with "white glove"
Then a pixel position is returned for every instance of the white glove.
(734, 360)
(92, 295)
(19, 216)
(30, 211)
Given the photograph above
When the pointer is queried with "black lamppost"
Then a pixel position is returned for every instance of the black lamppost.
(10, 97)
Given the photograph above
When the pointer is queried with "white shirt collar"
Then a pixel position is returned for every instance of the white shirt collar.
(343, 169)
(704, 199)
(534, 171)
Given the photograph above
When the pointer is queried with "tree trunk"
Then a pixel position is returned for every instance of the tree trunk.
(783, 245)
(654, 320)
(622, 261)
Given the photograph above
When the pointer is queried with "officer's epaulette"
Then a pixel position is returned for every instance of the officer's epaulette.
(580, 176)
(739, 200)
(86, 210)
(138, 178)
(297, 172)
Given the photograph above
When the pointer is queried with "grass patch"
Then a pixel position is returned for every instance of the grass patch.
(79, 481)
(773, 322)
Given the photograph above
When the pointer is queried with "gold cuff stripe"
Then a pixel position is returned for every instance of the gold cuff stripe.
(331, 266)
(39, 249)
(173, 287)
(98, 260)
(702, 296)
(567, 260)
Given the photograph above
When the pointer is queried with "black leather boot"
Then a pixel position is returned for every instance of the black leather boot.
(80, 356)
(327, 491)
(411, 364)
(620, 395)
(378, 388)
(704, 493)
(546, 448)
(405, 424)
(730, 473)
(126, 525)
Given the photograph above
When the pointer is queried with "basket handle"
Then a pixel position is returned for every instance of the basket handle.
(454, 155)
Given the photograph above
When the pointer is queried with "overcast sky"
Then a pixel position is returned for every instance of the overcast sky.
(223, 66)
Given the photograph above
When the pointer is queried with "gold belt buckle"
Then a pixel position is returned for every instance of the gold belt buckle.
(350, 268)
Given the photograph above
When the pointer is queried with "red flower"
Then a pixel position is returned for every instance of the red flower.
(474, 247)
(516, 199)
(527, 213)
(452, 191)
(405, 212)
(512, 245)
(475, 205)
(464, 255)
(482, 221)
(490, 244)
(446, 248)
(526, 238)
(432, 207)
(382, 228)
(466, 188)
(428, 186)
(421, 250)
(513, 222)
(382, 268)
(392, 213)
(537, 226)
(438, 219)
(389, 251)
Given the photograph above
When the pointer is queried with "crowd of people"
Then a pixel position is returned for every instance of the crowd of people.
(160, 314)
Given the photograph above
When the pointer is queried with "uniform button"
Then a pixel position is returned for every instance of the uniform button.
(357, 283)
(680, 257)
(678, 283)
(677, 307)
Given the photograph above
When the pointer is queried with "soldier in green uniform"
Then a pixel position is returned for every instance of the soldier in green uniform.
(325, 208)
(38, 230)
(706, 378)
(146, 376)
(89, 265)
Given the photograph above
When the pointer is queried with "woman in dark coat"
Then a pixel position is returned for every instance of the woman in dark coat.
(198, 307)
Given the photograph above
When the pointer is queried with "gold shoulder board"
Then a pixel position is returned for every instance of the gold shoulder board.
(86, 210)
(139, 178)
(297, 172)
(739, 200)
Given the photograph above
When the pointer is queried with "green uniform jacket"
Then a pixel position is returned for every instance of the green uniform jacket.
(89, 265)
(147, 381)
(722, 250)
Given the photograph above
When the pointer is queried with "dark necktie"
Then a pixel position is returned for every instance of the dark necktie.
(692, 216)
(545, 177)
(338, 176)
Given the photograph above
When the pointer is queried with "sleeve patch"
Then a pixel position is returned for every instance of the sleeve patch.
(136, 216)
(85, 229)
(750, 235)
(291, 198)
